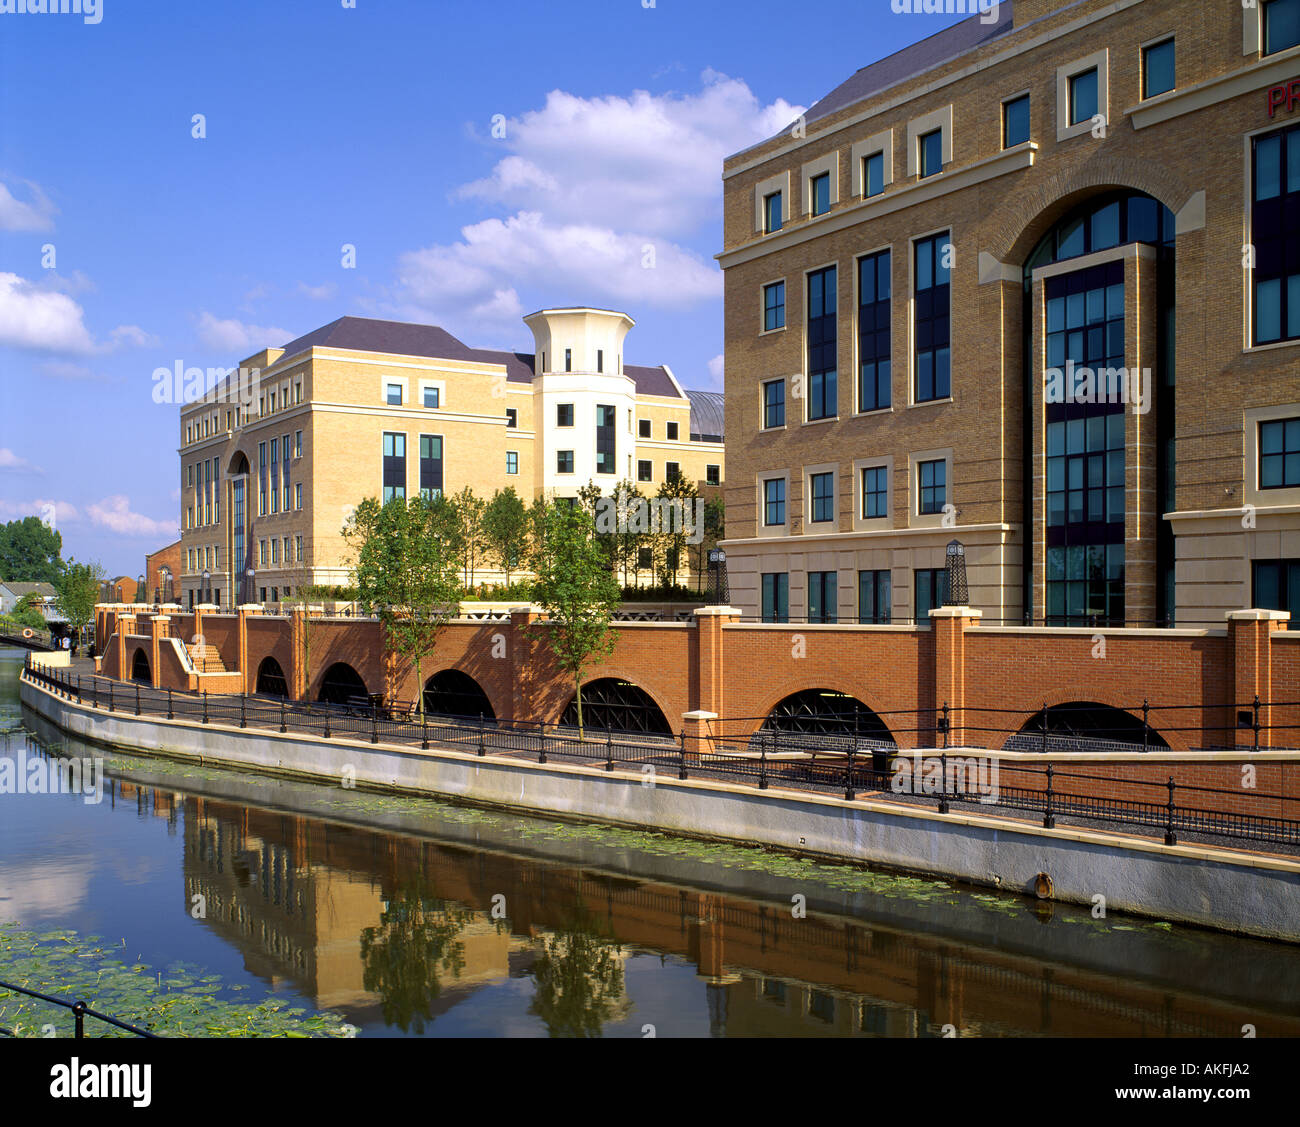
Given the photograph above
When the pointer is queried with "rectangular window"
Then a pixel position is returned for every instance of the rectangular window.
(819, 188)
(564, 461)
(772, 213)
(261, 479)
(712, 475)
(189, 475)
(823, 344)
(297, 496)
(1083, 96)
(275, 472)
(670, 432)
(776, 596)
(394, 394)
(297, 543)
(643, 428)
(822, 490)
(774, 501)
(672, 471)
(1276, 586)
(774, 404)
(297, 444)
(644, 559)
(1279, 454)
(604, 439)
(600, 360)
(430, 466)
(932, 483)
(874, 369)
(875, 492)
(821, 596)
(930, 153)
(512, 461)
(1157, 68)
(1281, 19)
(873, 175)
(644, 471)
(1275, 235)
(432, 396)
(564, 414)
(931, 591)
(874, 597)
(774, 306)
(512, 417)
(275, 551)
(261, 553)
(297, 392)
(394, 466)
(568, 360)
(931, 326)
(1015, 121)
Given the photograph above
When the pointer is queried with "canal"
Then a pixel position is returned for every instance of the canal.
(406, 917)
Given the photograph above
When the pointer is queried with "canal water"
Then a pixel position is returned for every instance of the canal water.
(408, 917)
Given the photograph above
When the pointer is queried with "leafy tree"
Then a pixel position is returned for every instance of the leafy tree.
(576, 587)
(579, 979)
(629, 538)
(405, 573)
(670, 540)
(715, 529)
(471, 536)
(78, 593)
(505, 528)
(30, 552)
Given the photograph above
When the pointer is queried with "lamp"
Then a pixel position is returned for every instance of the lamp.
(958, 593)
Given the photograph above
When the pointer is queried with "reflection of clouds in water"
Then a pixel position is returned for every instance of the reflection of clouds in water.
(41, 890)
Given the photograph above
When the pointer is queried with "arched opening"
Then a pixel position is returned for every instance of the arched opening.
(270, 679)
(613, 704)
(341, 684)
(238, 464)
(140, 668)
(453, 693)
(1083, 726)
(822, 713)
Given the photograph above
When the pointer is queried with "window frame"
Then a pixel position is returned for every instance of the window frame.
(765, 406)
(1015, 100)
(1144, 71)
(766, 308)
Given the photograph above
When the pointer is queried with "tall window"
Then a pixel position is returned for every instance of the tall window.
(430, 466)
(1157, 68)
(774, 501)
(1279, 453)
(1276, 586)
(1083, 96)
(284, 470)
(297, 496)
(644, 470)
(873, 332)
(512, 417)
(931, 590)
(930, 152)
(564, 461)
(712, 475)
(774, 306)
(600, 359)
(670, 432)
(823, 344)
(643, 428)
(873, 596)
(1275, 227)
(772, 213)
(821, 596)
(1015, 121)
(604, 439)
(873, 174)
(672, 471)
(568, 360)
(774, 403)
(932, 481)
(822, 489)
(261, 479)
(1281, 19)
(776, 596)
(564, 414)
(820, 193)
(931, 331)
(297, 444)
(512, 461)
(275, 473)
(875, 492)
(394, 466)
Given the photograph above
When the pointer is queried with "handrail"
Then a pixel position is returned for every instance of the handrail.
(80, 1011)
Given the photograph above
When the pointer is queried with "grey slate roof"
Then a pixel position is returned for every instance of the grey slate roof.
(406, 338)
(933, 51)
(20, 590)
(707, 413)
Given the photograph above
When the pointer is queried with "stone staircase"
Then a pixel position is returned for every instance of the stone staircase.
(206, 659)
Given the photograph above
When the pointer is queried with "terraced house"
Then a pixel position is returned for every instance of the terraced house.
(1032, 285)
(370, 408)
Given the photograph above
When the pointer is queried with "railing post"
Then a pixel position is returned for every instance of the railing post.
(849, 794)
(482, 742)
(79, 700)
(1048, 820)
(1170, 837)
(945, 724)
(541, 736)
(1255, 721)
(1044, 727)
(374, 723)
(943, 782)
(111, 706)
(137, 698)
(243, 710)
(170, 714)
(681, 744)
(762, 761)
(327, 720)
(283, 727)
(79, 1021)
(94, 693)
(205, 706)
(424, 730)
(1146, 727)
(609, 749)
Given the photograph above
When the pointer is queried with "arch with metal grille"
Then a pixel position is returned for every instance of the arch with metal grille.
(455, 693)
(827, 712)
(610, 703)
(270, 679)
(1084, 725)
(341, 684)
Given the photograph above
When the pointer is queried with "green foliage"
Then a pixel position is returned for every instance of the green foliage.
(715, 530)
(670, 543)
(322, 592)
(467, 530)
(30, 552)
(575, 586)
(505, 529)
(579, 979)
(520, 591)
(661, 593)
(79, 592)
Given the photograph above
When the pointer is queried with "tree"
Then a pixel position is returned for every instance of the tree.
(405, 573)
(505, 528)
(471, 538)
(715, 529)
(78, 594)
(30, 552)
(629, 538)
(670, 540)
(576, 587)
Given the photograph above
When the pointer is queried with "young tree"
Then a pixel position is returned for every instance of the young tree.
(78, 594)
(629, 538)
(575, 586)
(505, 528)
(670, 540)
(405, 574)
(471, 537)
(715, 529)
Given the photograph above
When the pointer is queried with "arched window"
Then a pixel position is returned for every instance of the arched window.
(1084, 726)
(270, 679)
(612, 704)
(826, 712)
(341, 684)
(453, 693)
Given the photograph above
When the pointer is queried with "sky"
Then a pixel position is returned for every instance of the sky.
(483, 160)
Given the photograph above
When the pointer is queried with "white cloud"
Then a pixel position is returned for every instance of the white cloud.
(131, 336)
(45, 508)
(231, 335)
(34, 215)
(69, 370)
(323, 292)
(11, 461)
(114, 513)
(40, 319)
(716, 369)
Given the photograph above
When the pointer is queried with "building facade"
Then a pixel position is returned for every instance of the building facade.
(1032, 285)
(274, 460)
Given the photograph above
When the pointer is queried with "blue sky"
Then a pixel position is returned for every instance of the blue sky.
(371, 126)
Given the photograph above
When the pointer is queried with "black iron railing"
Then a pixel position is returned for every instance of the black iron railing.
(80, 1011)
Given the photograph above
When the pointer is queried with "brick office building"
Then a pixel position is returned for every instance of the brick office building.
(274, 459)
(922, 272)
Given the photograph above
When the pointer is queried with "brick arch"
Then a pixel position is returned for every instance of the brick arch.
(829, 684)
(234, 459)
(1016, 724)
(500, 709)
(137, 651)
(1059, 192)
(605, 672)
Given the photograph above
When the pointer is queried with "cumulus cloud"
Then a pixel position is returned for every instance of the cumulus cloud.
(231, 335)
(31, 317)
(131, 336)
(114, 513)
(323, 292)
(36, 214)
(48, 509)
(12, 462)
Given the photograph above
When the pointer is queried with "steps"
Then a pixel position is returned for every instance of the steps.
(206, 659)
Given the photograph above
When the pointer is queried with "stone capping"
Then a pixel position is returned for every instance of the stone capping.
(709, 612)
(699, 715)
(1110, 631)
(1155, 755)
(827, 627)
(956, 612)
(1257, 615)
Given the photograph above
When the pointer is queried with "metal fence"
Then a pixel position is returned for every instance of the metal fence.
(80, 1011)
(826, 762)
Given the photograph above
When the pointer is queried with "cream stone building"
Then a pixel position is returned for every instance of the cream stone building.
(275, 458)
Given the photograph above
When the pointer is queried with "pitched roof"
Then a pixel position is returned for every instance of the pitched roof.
(45, 590)
(916, 59)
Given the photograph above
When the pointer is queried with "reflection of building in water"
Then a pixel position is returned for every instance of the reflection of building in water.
(400, 929)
